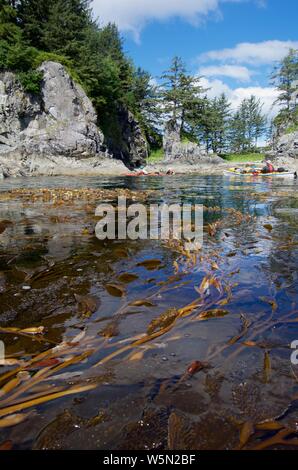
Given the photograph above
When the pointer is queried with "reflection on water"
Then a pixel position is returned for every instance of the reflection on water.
(129, 317)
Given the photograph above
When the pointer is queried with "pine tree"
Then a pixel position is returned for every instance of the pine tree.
(255, 121)
(211, 123)
(9, 31)
(247, 125)
(33, 16)
(237, 136)
(285, 77)
(180, 94)
(105, 70)
(221, 109)
(65, 27)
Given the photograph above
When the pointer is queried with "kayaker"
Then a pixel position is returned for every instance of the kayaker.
(269, 168)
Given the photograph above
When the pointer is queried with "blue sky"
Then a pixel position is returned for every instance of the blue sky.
(234, 44)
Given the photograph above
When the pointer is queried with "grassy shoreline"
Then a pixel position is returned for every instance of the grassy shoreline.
(244, 157)
(157, 156)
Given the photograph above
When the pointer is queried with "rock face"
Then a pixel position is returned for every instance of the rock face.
(188, 152)
(131, 145)
(60, 122)
(286, 146)
(57, 129)
(171, 140)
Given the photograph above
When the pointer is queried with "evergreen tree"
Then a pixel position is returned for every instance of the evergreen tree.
(65, 27)
(180, 94)
(211, 123)
(33, 16)
(15, 53)
(203, 123)
(9, 31)
(104, 69)
(247, 125)
(255, 121)
(220, 114)
(285, 77)
(237, 132)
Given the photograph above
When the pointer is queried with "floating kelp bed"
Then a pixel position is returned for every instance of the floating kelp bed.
(145, 345)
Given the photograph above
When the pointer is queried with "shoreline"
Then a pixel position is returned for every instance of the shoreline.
(40, 166)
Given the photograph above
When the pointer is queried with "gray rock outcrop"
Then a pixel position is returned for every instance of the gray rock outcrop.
(59, 122)
(58, 129)
(287, 146)
(171, 140)
(184, 152)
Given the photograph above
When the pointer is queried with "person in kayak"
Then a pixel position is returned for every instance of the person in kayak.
(269, 168)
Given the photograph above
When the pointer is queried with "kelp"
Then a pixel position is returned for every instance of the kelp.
(284, 437)
(39, 330)
(116, 290)
(150, 264)
(180, 432)
(127, 278)
(207, 273)
(267, 367)
(245, 326)
(6, 445)
(247, 430)
(14, 393)
(65, 196)
(12, 420)
(87, 304)
(142, 303)
(38, 401)
(269, 426)
(165, 320)
(36, 332)
(271, 302)
(215, 313)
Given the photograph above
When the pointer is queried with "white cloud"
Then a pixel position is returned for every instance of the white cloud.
(132, 15)
(267, 95)
(260, 53)
(238, 72)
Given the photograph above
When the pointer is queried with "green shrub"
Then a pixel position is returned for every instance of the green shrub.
(20, 58)
(292, 129)
(156, 156)
(43, 56)
(31, 81)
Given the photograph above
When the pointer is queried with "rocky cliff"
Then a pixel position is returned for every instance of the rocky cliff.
(56, 130)
(287, 146)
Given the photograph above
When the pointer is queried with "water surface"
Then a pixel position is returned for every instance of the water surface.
(140, 345)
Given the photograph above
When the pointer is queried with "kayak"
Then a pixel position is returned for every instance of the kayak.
(140, 173)
(276, 174)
